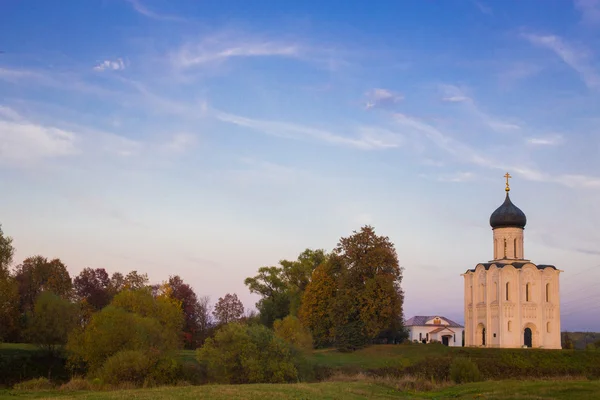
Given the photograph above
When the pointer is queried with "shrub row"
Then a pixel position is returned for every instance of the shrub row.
(512, 364)
(21, 366)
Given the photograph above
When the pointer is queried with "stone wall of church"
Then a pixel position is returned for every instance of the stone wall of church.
(508, 243)
(502, 302)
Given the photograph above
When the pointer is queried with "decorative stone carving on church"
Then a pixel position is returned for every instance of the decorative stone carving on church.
(519, 306)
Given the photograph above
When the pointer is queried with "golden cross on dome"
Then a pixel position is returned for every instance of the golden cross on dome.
(507, 176)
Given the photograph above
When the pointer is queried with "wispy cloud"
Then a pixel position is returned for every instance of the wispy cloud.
(27, 139)
(253, 172)
(24, 142)
(576, 58)
(454, 94)
(9, 114)
(14, 75)
(378, 97)
(457, 177)
(485, 9)
(589, 9)
(112, 144)
(116, 65)
(467, 154)
(518, 71)
(367, 138)
(456, 99)
(551, 140)
(218, 48)
(145, 11)
(181, 142)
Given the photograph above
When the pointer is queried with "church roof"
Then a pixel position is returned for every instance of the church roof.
(421, 320)
(517, 265)
(441, 329)
(508, 215)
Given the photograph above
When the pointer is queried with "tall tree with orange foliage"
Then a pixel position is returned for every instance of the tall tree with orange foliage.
(317, 305)
(356, 295)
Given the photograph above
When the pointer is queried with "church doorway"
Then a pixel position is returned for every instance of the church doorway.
(528, 337)
(480, 335)
(446, 340)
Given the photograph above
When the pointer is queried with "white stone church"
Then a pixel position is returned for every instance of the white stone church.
(510, 301)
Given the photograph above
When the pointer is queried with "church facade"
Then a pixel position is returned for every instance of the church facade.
(510, 301)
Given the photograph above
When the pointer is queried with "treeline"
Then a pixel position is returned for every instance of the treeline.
(347, 298)
(39, 290)
(120, 327)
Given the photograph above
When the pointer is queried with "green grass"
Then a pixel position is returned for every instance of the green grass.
(572, 390)
(379, 356)
(11, 348)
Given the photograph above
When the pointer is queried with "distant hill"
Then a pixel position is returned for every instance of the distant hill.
(581, 339)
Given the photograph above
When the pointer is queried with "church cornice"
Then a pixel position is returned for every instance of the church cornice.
(517, 265)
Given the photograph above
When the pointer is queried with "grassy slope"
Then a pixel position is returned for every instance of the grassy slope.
(10, 348)
(379, 356)
(572, 390)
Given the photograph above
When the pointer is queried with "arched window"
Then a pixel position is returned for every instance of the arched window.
(496, 291)
(527, 292)
(510, 326)
(507, 291)
(548, 327)
(547, 292)
(504, 248)
(515, 248)
(482, 293)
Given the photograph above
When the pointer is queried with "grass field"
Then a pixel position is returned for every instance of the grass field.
(376, 367)
(572, 390)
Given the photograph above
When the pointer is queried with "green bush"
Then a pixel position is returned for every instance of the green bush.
(292, 331)
(463, 370)
(591, 347)
(35, 384)
(141, 368)
(126, 366)
(193, 373)
(135, 320)
(432, 368)
(247, 354)
(165, 371)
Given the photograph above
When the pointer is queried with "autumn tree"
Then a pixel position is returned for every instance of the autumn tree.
(316, 311)
(195, 311)
(189, 305)
(7, 252)
(228, 309)
(36, 275)
(281, 287)
(9, 294)
(356, 294)
(292, 331)
(93, 286)
(370, 298)
(51, 321)
(134, 320)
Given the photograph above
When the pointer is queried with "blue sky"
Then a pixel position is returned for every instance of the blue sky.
(207, 139)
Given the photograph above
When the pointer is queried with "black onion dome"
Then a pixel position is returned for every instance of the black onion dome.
(508, 215)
